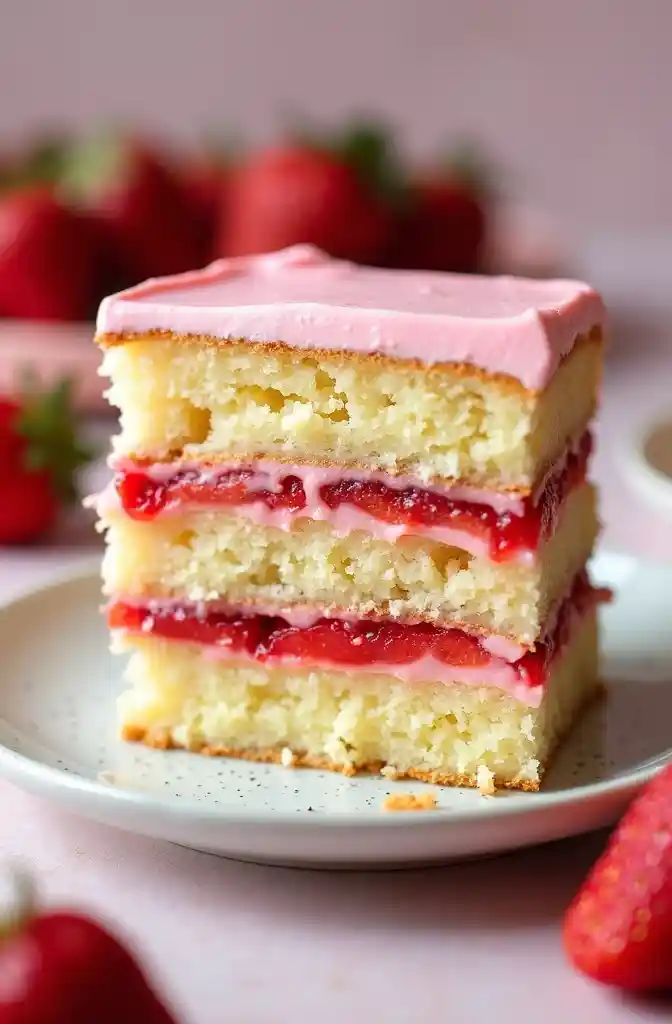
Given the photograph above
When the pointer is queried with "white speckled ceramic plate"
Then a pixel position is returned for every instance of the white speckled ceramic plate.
(57, 738)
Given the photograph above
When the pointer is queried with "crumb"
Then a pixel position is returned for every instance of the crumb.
(485, 780)
(388, 772)
(287, 758)
(108, 777)
(161, 739)
(410, 802)
(133, 733)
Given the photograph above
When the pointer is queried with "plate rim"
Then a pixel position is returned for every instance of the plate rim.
(20, 768)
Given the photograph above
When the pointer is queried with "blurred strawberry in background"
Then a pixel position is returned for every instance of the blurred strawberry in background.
(332, 193)
(80, 218)
(50, 261)
(444, 224)
(136, 200)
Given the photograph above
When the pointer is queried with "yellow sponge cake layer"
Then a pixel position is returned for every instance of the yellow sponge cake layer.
(208, 556)
(210, 401)
(181, 697)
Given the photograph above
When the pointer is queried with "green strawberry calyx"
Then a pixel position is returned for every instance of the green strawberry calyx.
(222, 150)
(40, 165)
(370, 150)
(467, 166)
(46, 423)
(93, 166)
(367, 148)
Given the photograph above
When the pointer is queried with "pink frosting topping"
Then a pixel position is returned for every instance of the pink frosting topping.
(299, 296)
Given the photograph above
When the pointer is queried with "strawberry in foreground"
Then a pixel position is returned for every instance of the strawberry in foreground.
(39, 457)
(618, 930)
(64, 968)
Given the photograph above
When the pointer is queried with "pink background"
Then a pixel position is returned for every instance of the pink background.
(571, 98)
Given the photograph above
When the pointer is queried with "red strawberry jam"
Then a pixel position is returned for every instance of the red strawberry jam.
(351, 643)
(144, 498)
(363, 642)
(239, 633)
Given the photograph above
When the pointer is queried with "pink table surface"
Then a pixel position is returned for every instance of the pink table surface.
(240, 943)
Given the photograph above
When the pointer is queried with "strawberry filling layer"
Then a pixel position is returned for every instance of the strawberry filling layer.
(413, 652)
(502, 528)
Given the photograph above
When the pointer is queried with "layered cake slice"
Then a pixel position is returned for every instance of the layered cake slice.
(350, 515)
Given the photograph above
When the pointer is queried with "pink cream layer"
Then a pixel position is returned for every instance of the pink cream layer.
(303, 616)
(342, 520)
(488, 669)
(428, 671)
(299, 296)
(484, 523)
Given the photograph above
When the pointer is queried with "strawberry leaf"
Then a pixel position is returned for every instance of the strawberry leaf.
(223, 150)
(45, 160)
(47, 424)
(92, 166)
(468, 166)
(369, 149)
(41, 164)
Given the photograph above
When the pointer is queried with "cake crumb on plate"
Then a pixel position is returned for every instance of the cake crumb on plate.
(410, 802)
(485, 780)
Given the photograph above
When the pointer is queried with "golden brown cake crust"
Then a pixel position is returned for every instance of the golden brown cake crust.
(368, 361)
(160, 739)
(215, 459)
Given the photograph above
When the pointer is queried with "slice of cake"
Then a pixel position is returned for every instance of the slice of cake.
(350, 515)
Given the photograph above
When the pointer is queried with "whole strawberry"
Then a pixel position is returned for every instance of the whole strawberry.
(443, 224)
(39, 457)
(138, 204)
(64, 968)
(49, 256)
(618, 930)
(333, 194)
